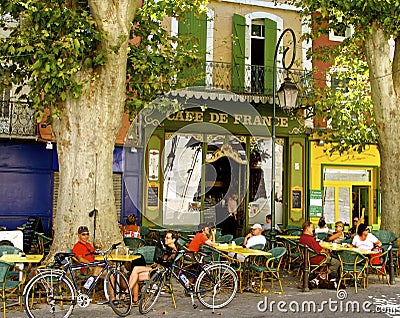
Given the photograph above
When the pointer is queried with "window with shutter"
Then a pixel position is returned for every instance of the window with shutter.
(253, 73)
(195, 28)
(238, 53)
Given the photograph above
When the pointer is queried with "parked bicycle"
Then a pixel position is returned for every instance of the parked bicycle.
(58, 289)
(214, 284)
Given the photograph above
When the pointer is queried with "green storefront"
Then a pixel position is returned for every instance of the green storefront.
(214, 146)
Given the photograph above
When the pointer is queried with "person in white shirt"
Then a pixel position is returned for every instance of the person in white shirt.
(322, 228)
(364, 239)
(267, 226)
(255, 237)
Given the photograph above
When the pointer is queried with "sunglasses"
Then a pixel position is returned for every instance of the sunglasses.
(168, 237)
(85, 234)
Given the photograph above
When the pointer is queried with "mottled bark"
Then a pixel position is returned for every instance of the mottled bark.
(86, 132)
(385, 86)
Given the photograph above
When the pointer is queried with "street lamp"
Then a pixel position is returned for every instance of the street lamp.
(287, 95)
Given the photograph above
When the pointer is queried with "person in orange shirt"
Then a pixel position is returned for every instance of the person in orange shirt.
(203, 236)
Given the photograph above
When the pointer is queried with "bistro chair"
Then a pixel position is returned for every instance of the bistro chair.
(377, 263)
(312, 268)
(134, 243)
(323, 236)
(268, 267)
(239, 240)
(353, 266)
(227, 238)
(9, 285)
(292, 257)
(291, 228)
(144, 231)
(147, 252)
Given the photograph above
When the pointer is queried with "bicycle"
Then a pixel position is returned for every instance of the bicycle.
(215, 284)
(60, 291)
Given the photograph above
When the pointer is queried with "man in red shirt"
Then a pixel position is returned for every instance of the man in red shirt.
(308, 239)
(201, 237)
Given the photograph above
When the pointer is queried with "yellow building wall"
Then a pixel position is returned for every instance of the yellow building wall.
(319, 156)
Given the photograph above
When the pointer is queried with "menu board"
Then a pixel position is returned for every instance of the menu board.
(33, 224)
(152, 196)
(296, 199)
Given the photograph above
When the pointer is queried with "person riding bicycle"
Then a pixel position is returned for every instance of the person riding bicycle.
(141, 273)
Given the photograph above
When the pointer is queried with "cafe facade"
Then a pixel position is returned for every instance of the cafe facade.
(214, 146)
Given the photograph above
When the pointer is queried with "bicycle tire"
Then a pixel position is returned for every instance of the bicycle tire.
(51, 289)
(216, 286)
(120, 297)
(151, 291)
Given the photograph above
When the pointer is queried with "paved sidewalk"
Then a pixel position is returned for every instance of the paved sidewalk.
(367, 303)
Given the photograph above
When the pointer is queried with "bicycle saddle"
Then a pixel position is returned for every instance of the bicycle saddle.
(61, 258)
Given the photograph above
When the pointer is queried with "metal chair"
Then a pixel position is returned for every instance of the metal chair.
(269, 265)
(353, 265)
(9, 286)
(134, 243)
(321, 266)
(323, 236)
(227, 238)
(147, 252)
(239, 240)
(292, 257)
(377, 263)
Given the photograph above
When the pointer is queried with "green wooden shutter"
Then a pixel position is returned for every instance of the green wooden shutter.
(238, 53)
(196, 28)
(269, 50)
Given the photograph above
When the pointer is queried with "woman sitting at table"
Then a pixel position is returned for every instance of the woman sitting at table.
(131, 229)
(364, 239)
(141, 273)
(322, 228)
(338, 235)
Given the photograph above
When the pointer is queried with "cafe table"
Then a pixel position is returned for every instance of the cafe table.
(246, 252)
(118, 258)
(27, 259)
(17, 258)
(289, 237)
(336, 247)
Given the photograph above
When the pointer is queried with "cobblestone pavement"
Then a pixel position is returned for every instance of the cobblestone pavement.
(370, 302)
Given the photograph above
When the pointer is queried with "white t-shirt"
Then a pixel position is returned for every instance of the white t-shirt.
(323, 230)
(267, 226)
(256, 239)
(368, 244)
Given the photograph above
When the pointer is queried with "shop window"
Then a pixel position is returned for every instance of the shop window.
(260, 180)
(182, 174)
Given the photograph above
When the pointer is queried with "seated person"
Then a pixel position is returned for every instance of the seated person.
(338, 236)
(364, 239)
(83, 251)
(322, 228)
(267, 226)
(203, 236)
(352, 231)
(141, 273)
(131, 229)
(307, 239)
(255, 237)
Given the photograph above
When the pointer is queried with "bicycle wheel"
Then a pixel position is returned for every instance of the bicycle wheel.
(216, 285)
(120, 297)
(151, 292)
(49, 289)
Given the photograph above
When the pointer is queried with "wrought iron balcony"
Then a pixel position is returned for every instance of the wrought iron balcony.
(17, 119)
(250, 79)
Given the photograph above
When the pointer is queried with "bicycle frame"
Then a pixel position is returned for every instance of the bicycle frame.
(71, 268)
